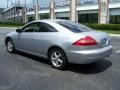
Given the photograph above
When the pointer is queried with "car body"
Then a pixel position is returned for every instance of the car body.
(76, 42)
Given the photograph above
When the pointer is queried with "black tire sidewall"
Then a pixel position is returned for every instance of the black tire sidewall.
(65, 61)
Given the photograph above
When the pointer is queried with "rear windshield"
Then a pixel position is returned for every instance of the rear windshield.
(74, 26)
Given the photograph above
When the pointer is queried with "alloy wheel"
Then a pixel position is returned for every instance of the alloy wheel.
(57, 59)
(10, 46)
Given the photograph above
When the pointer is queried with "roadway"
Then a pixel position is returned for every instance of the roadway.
(21, 71)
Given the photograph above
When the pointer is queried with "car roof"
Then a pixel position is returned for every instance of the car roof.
(49, 20)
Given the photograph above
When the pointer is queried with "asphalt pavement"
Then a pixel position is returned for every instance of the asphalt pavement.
(21, 71)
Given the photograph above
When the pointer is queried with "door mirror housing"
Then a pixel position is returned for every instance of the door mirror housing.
(18, 30)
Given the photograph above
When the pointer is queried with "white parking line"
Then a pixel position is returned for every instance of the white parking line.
(118, 51)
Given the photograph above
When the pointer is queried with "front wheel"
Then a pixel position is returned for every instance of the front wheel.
(10, 46)
(58, 58)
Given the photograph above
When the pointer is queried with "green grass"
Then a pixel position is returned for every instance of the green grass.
(12, 26)
(110, 31)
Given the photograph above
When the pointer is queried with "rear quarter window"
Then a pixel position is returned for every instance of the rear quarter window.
(74, 26)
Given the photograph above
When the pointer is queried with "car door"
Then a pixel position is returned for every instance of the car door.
(44, 36)
(26, 39)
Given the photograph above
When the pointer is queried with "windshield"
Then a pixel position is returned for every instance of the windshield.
(74, 26)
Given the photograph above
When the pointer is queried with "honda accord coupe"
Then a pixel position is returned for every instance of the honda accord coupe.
(60, 41)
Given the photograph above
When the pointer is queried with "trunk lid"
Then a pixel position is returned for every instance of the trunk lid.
(101, 38)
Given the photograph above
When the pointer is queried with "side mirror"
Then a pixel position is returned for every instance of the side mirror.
(18, 30)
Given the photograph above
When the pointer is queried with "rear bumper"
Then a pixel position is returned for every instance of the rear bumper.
(89, 56)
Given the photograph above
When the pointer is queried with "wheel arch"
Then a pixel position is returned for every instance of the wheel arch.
(52, 47)
(6, 39)
(65, 62)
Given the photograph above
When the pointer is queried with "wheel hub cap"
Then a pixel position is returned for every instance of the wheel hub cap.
(10, 46)
(57, 59)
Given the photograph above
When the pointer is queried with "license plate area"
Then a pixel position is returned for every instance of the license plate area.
(105, 42)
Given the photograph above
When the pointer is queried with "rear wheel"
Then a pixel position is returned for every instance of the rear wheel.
(58, 58)
(10, 46)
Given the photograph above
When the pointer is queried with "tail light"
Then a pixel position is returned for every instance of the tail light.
(86, 41)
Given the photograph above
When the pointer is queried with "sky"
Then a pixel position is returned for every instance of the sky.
(3, 3)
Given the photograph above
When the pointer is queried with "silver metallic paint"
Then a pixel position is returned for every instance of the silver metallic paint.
(38, 43)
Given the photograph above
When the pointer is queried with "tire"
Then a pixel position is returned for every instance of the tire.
(58, 59)
(10, 46)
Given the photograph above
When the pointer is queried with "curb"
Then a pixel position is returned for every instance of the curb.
(115, 35)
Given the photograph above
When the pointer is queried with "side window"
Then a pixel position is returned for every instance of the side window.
(46, 28)
(33, 27)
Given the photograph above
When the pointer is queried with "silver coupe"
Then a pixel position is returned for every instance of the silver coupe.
(60, 41)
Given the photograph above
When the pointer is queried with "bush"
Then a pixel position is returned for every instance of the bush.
(11, 23)
(115, 27)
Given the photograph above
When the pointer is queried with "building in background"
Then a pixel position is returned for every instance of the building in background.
(1, 14)
(13, 14)
(87, 11)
